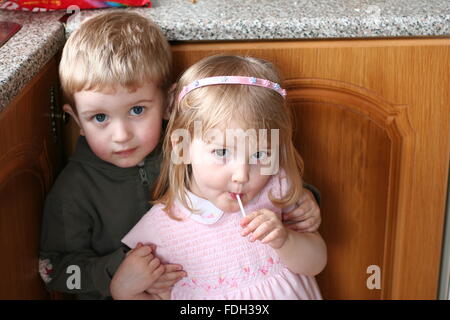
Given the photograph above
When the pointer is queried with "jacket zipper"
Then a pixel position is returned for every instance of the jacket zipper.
(143, 176)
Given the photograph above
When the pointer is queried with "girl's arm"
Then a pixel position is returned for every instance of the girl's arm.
(302, 253)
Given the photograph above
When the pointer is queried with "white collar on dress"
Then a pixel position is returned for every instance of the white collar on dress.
(208, 213)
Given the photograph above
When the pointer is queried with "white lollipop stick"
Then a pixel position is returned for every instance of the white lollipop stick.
(240, 205)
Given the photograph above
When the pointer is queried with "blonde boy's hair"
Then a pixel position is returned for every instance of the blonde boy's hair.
(116, 48)
(215, 106)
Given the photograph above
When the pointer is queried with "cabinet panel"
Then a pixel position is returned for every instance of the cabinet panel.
(30, 158)
(358, 150)
(372, 123)
(22, 199)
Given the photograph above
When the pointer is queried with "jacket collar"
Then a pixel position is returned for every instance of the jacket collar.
(83, 154)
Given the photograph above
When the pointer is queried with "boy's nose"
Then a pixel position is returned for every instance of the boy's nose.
(121, 132)
(240, 173)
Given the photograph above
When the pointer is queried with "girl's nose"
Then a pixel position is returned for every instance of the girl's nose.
(122, 132)
(240, 173)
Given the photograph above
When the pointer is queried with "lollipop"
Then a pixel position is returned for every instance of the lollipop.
(240, 205)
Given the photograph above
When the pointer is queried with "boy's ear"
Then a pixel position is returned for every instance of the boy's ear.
(67, 108)
(170, 102)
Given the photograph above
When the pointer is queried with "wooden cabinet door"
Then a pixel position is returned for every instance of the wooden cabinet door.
(372, 124)
(30, 157)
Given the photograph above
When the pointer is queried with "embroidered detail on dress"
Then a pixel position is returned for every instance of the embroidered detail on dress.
(264, 270)
(45, 270)
(222, 282)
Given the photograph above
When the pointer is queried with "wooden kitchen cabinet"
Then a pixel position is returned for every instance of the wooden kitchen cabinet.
(30, 158)
(373, 127)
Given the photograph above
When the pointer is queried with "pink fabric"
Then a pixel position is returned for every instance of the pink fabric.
(220, 263)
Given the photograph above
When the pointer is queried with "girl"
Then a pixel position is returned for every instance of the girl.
(205, 175)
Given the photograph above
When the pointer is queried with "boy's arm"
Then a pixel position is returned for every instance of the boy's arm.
(67, 261)
(78, 273)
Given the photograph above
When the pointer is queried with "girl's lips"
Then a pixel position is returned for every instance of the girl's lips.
(233, 195)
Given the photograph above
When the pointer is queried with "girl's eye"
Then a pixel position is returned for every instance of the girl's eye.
(101, 117)
(220, 153)
(260, 155)
(136, 110)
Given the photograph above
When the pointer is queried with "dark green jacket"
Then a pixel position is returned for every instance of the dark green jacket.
(91, 206)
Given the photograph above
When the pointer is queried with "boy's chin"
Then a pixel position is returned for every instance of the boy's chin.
(127, 164)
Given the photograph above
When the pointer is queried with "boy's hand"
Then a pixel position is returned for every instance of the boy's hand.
(306, 217)
(172, 274)
(160, 296)
(137, 272)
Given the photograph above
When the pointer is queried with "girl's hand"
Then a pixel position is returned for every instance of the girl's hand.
(306, 217)
(266, 227)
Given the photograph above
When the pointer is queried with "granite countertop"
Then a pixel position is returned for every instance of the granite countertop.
(42, 35)
(27, 52)
(293, 19)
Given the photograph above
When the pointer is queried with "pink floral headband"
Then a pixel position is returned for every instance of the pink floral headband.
(251, 81)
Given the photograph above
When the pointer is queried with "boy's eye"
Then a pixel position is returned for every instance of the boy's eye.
(136, 110)
(100, 117)
(220, 153)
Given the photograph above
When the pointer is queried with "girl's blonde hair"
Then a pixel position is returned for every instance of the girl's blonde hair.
(115, 48)
(215, 106)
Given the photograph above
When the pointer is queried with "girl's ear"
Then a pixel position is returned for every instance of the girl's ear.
(170, 102)
(181, 149)
(67, 108)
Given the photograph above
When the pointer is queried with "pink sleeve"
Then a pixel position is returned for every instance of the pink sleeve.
(144, 231)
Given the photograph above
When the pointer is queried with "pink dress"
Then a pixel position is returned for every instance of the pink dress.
(219, 262)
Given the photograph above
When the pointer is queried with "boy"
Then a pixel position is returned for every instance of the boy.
(115, 73)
